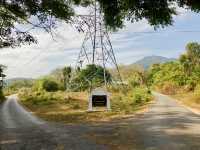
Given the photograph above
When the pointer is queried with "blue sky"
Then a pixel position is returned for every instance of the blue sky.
(130, 44)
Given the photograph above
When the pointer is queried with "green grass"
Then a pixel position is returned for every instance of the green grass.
(72, 107)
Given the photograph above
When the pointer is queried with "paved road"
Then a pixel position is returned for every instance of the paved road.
(166, 126)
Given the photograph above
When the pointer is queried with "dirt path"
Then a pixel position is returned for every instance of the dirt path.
(166, 126)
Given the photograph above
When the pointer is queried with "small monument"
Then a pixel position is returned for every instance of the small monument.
(99, 98)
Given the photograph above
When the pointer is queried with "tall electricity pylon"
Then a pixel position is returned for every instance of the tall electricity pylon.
(96, 47)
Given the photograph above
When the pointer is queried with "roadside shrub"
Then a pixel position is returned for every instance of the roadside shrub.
(50, 86)
(138, 98)
(141, 95)
(168, 88)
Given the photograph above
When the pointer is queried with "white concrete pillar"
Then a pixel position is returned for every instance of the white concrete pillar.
(90, 104)
(108, 103)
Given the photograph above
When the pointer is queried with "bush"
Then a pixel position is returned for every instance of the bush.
(141, 95)
(169, 88)
(50, 86)
(138, 98)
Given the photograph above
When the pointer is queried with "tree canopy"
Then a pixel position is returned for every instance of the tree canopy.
(46, 12)
(183, 73)
(92, 75)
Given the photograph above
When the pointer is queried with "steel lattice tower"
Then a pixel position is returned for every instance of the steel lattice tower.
(96, 47)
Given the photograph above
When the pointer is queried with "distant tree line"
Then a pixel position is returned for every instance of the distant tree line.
(181, 74)
(69, 79)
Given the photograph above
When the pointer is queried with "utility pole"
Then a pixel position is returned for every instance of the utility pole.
(96, 47)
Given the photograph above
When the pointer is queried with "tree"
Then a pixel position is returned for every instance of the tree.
(167, 72)
(46, 13)
(57, 74)
(2, 76)
(66, 76)
(18, 84)
(193, 53)
(186, 63)
(92, 75)
(191, 59)
(50, 85)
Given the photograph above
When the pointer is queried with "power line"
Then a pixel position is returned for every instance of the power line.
(156, 32)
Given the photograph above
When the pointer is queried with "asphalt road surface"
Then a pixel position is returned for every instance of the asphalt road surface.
(166, 126)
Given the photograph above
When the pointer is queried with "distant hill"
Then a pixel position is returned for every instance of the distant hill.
(146, 62)
(10, 81)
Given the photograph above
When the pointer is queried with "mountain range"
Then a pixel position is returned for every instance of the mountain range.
(146, 62)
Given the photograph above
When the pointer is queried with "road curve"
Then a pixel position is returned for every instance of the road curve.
(166, 126)
(20, 130)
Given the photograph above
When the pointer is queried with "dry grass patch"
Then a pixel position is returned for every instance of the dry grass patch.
(189, 99)
(72, 107)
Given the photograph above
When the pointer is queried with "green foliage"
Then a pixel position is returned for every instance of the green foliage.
(167, 72)
(181, 74)
(46, 12)
(81, 80)
(50, 86)
(191, 59)
(134, 75)
(72, 106)
(141, 95)
(18, 84)
(46, 84)
(127, 102)
(148, 61)
(91, 75)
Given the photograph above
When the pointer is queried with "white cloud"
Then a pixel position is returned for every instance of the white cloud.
(65, 42)
(39, 59)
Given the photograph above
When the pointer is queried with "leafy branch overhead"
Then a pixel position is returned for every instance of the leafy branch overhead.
(44, 13)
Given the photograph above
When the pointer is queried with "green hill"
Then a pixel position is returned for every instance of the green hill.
(146, 62)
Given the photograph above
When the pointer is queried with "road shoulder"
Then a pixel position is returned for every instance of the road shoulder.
(180, 101)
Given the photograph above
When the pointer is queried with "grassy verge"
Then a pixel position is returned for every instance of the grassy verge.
(189, 99)
(72, 107)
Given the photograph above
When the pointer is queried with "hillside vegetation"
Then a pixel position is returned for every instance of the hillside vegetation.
(180, 78)
(63, 94)
(148, 61)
